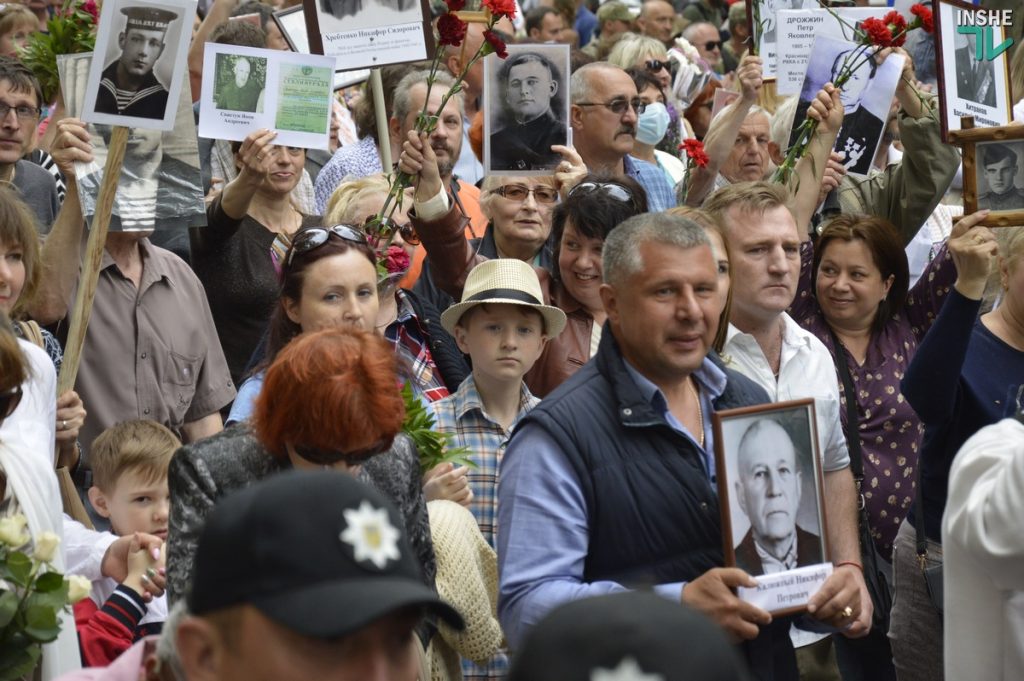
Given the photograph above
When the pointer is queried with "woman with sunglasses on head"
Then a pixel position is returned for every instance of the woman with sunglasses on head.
(19, 272)
(231, 255)
(591, 209)
(28, 487)
(644, 53)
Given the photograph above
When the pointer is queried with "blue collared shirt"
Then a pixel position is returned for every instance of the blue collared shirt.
(543, 526)
(660, 194)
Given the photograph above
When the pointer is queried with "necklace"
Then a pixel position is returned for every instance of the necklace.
(700, 411)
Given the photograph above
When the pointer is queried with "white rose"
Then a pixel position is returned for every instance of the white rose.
(13, 532)
(46, 547)
(78, 588)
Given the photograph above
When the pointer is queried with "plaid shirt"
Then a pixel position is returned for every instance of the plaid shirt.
(463, 417)
(660, 194)
(413, 352)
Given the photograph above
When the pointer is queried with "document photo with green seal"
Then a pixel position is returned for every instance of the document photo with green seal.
(255, 88)
(304, 99)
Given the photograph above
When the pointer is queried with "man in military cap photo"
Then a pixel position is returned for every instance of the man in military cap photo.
(128, 86)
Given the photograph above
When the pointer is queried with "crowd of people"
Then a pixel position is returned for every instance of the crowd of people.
(486, 447)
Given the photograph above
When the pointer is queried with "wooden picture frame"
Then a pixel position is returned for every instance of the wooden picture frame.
(982, 92)
(970, 138)
(292, 23)
(369, 33)
(771, 489)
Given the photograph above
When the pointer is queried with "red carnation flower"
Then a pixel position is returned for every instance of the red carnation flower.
(897, 27)
(694, 149)
(501, 8)
(91, 9)
(700, 159)
(397, 260)
(455, 5)
(496, 43)
(924, 17)
(877, 32)
(451, 29)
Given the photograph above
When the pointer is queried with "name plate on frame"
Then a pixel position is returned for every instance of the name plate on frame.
(788, 591)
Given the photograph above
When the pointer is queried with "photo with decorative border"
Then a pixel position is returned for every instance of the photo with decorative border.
(969, 86)
(993, 161)
(867, 97)
(770, 487)
(526, 109)
(161, 186)
(369, 33)
(291, 94)
(141, 49)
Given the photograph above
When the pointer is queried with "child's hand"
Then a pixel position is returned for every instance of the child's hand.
(447, 482)
(115, 560)
(144, 573)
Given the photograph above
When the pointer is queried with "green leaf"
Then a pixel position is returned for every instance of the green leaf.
(54, 600)
(8, 606)
(41, 623)
(431, 445)
(17, 662)
(19, 567)
(50, 581)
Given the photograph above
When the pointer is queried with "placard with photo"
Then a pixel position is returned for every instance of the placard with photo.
(993, 161)
(770, 489)
(867, 97)
(763, 21)
(292, 22)
(369, 33)
(141, 50)
(161, 186)
(526, 109)
(973, 81)
(247, 88)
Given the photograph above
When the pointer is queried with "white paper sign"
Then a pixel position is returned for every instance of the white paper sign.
(369, 33)
(787, 589)
(245, 89)
(797, 31)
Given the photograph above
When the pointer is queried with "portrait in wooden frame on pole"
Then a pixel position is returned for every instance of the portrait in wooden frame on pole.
(973, 74)
(993, 161)
(770, 491)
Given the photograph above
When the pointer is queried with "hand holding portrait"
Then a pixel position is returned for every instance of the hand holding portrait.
(974, 250)
(751, 77)
(72, 145)
(418, 158)
(256, 155)
(713, 594)
(843, 589)
(570, 171)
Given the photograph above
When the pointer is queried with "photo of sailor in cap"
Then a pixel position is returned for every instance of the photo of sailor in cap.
(128, 86)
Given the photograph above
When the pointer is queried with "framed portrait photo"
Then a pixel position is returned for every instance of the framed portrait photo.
(763, 22)
(993, 160)
(526, 109)
(973, 79)
(770, 492)
(292, 22)
(140, 57)
(369, 33)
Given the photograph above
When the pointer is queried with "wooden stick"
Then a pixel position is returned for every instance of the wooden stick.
(91, 262)
(381, 116)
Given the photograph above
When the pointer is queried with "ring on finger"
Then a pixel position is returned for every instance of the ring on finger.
(150, 573)
(847, 612)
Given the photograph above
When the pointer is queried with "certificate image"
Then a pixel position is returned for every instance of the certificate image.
(288, 92)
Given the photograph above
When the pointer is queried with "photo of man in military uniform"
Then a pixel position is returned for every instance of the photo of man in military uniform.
(128, 86)
(999, 165)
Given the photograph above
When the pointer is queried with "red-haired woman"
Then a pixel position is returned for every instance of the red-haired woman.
(330, 400)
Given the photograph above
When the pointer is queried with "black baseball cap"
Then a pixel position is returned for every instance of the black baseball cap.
(316, 551)
(629, 635)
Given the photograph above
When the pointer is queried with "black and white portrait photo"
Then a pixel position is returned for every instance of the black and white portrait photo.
(766, 33)
(969, 83)
(867, 96)
(770, 487)
(526, 110)
(240, 83)
(143, 54)
(1000, 169)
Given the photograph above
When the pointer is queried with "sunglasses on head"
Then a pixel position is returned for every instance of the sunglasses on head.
(655, 65)
(615, 191)
(406, 230)
(9, 401)
(315, 237)
(519, 192)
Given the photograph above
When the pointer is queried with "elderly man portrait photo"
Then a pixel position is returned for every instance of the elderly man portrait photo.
(1000, 163)
(128, 86)
(241, 82)
(528, 113)
(768, 491)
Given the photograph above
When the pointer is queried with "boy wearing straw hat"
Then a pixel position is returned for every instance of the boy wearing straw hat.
(502, 324)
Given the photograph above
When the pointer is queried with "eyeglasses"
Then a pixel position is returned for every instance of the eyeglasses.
(655, 65)
(25, 113)
(519, 192)
(615, 191)
(712, 45)
(405, 231)
(9, 401)
(315, 237)
(619, 105)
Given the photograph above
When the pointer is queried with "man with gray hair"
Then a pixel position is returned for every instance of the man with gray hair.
(604, 114)
(625, 494)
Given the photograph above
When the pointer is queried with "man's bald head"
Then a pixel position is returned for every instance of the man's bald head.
(473, 85)
(657, 18)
